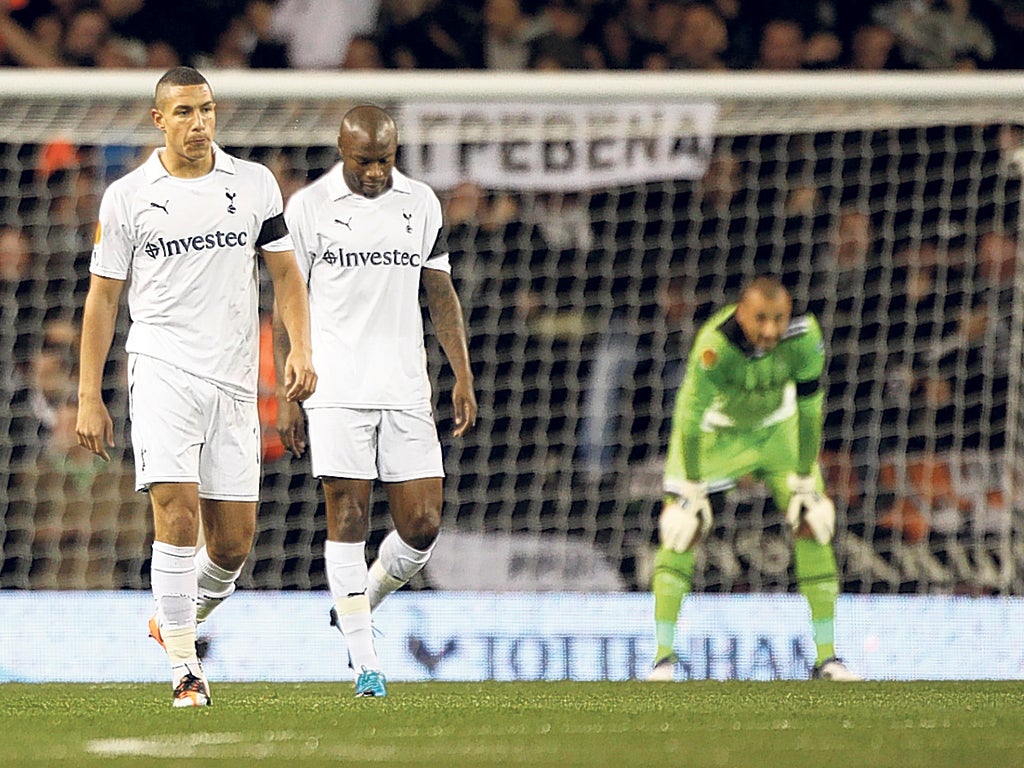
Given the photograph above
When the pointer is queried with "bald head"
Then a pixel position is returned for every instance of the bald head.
(371, 122)
(768, 286)
(368, 142)
(764, 311)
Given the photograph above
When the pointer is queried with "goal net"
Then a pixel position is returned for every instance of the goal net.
(594, 221)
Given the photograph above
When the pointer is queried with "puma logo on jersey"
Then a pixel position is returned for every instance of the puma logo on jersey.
(346, 224)
(231, 200)
(408, 221)
(161, 207)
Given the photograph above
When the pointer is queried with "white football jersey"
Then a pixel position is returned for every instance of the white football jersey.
(362, 258)
(189, 250)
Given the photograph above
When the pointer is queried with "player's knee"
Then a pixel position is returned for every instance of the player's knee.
(422, 533)
(231, 554)
(229, 540)
(178, 526)
(420, 526)
(347, 520)
(348, 524)
(176, 523)
(680, 564)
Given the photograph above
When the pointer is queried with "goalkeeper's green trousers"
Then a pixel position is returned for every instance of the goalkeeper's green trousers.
(817, 579)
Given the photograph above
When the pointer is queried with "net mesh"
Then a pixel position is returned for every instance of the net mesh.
(895, 220)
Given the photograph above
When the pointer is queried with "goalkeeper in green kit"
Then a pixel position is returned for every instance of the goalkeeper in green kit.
(750, 404)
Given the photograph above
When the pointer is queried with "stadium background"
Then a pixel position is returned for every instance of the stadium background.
(893, 216)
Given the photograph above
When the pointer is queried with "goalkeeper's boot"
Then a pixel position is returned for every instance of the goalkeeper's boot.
(833, 668)
(192, 690)
(371, 684)
(202, 643)
(664, 670)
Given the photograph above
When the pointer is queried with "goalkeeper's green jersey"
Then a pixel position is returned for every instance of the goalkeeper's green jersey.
(730, 385)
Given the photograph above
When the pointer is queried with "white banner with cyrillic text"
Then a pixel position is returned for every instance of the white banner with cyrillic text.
(548, 147)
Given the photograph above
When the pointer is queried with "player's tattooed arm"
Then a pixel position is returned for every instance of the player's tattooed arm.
(450, 328)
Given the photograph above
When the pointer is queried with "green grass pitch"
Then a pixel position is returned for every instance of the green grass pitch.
(734, 724)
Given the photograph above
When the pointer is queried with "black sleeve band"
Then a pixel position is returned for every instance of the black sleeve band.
(807, 388)
(273, 229)
(440, 244)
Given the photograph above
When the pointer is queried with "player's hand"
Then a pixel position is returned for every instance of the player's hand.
(464, 402)
(291, 426)
(809, 509)
(299, 377)
(94, 428)
(685, 516)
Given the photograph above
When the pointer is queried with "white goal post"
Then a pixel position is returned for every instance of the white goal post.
(594, 220)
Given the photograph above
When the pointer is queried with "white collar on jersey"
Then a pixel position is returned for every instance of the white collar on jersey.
(337, 188)
(154, 169)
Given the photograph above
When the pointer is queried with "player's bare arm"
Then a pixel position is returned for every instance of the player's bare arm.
(292, 304)
(94, 427)
(450, 328)
(291, 425)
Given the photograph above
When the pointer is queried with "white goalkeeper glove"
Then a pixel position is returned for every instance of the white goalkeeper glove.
(809, 505)
(685, 515)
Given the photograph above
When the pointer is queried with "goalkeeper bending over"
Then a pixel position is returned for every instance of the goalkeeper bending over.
(750, 404)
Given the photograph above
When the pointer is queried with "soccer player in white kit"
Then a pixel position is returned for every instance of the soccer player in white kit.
(366, 237)
(183, 231)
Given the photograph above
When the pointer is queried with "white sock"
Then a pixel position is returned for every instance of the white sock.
(381, 584)
(215, 584)
(345, 564)
(173, 580)
(396, 563)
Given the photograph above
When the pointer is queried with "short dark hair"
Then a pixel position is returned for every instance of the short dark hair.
(180, 76)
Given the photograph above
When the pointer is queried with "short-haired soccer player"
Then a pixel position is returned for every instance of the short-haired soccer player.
(750, 404)
(187, 227)
(366, 238)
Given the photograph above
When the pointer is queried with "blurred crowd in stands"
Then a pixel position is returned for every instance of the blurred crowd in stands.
(581, 304)
(515, 34)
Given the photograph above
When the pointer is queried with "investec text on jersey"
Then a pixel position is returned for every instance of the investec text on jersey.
(182, 245)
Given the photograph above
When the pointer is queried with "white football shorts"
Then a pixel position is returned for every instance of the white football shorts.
(360, 444)
(186, 430)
